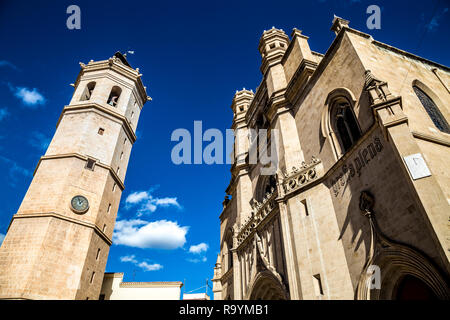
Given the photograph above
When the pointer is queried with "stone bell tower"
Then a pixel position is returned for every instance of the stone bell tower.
(58, 242)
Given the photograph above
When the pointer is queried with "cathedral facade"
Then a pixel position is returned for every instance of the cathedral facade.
(358, 207)
(57, 243)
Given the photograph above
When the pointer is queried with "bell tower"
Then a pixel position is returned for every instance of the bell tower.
(58, 242)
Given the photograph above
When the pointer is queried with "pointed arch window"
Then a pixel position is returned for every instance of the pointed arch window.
(345, 124)
(271, 185)
(266, 185)
(114, 96)
(228, 254)
(87, 93)
(433, 111)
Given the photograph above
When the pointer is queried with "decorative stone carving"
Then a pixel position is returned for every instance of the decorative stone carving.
(378, 90)
(299, 177)
(386, 253)
(260, 211)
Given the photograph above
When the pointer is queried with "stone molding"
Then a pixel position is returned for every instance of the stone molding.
(84, 158)
(226, 275)
(300, 79)
(156, 284)
(300, 177)
(62, 217)
(385, 252)
(261, 210)
(431, 138)
(112, 64)
(93, 105)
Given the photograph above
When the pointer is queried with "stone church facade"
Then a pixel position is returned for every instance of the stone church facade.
(58, 242)
(359, 205)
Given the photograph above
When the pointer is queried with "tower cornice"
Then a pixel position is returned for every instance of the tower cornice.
(120, 68)
(63, 217)
(84, 158)
(92, 105)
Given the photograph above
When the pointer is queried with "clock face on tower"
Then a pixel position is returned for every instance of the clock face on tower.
(79, 204)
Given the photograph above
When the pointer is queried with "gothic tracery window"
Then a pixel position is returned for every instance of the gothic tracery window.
(227, 259)
(346, 125)
(270, 184)
(433, 111)
(265, 186)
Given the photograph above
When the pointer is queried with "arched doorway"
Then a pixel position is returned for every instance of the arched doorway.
(412, 288)
(267, 287)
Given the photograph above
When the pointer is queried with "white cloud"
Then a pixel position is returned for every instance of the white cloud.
(3, 113)
(197, 260)
(144, 265)
(29, 97)
(199, 248)
(150, 267)
(2, 236)
(161, 234)
(128, 259)
(137, 197)
(167, 202)
(147, 203)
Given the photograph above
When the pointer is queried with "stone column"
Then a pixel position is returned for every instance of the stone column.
(289, 254)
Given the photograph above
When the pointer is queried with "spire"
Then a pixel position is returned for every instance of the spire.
(272, 46)
(242, 100)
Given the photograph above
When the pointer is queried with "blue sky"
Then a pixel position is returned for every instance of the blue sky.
(193, 56)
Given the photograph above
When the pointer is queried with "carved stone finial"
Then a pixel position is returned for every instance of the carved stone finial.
(368, 78)
(338, 24)
(378, 90)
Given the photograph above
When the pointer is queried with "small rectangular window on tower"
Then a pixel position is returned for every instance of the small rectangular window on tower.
(304, 209)
(92, 276)
(317, 285)
(114, 187)
(104, 227)
(121, 156)
(109, 208)
(98, 254)
(101, 131)
(90, 164)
